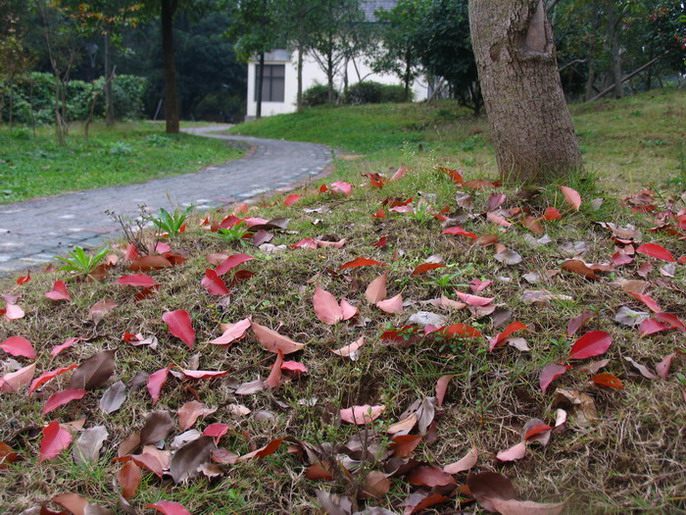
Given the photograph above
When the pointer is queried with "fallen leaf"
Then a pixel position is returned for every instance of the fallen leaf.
(486, 486)
(392, 306)
(139, 280)
(55, 440)
(651, 326)
(113, 398)
(571, 196)
(214, 284)
(630, 318)
(73, 503)
(13, 312)
(129, 477)
(216, 431)
(404, 445)
(360, 261)
(375, 485)
(232, 332)
(263, 452)
(508, 257)
(645, 371)
(179, 324)
(169, 508)
(18, 346)
(185, 462)
(151, 262)
(441, 388)
(47, 376)
(361, 415)
(577, 323)
(94, 371)
(341, 187)
(274, 379)
(514, 507)
(326, 307)
(273, 341)
(158, 425)
(464, 464)
(607, 379)
(291, 199)
(190, 412)
(662, 368)
(98, 310)
(350, 351)
(376, 291)
(232, 262)
(58, 292)
(516, 452)
(61, 398)
(579, 267)
(421, 269)
(88, 446)
(500, 338)
(549, 373)
(593, 343)
(430, 476)
(459, 231)
(647, 300)
(155, 383)
(656, 251)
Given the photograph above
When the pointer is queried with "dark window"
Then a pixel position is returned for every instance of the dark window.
(273, 82)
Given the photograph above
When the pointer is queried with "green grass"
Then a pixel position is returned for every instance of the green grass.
(34, 165)
(637, 141)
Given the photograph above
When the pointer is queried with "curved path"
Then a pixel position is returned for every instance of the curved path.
(32, 233)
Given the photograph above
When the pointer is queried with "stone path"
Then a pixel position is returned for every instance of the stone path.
(32, 233)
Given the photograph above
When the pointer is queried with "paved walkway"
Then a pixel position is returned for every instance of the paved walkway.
(32, 233)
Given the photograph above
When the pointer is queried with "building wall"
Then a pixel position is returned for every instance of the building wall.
(313, 74)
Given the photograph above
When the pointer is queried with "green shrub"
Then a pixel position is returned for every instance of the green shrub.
(370, 92)
(317, 95)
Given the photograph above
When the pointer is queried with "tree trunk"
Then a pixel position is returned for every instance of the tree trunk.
(109, 98)
(408, 74)
(329, 70)
(300, 79)
(171, 108)
(613, 42)
(260, 83)
(515, 55)
(590, 80)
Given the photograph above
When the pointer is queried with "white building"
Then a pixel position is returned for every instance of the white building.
(280, 82)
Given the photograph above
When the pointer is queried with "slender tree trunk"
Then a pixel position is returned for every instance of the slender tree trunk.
(109, 98)
(615, 51)
(515, 55)
(408, 76)
(300, 79)
(590, 80)
(329, 69)
(260, 83)
(171, 107)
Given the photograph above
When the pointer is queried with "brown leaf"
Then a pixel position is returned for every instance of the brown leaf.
(185, 462)
(514, 507)
(490, 485)
(147, 263)
(376, 291)
(129, 477)
(375, 485)
(191, 411)
(87, 447)
(579, 267)
(100, 309)
(94, 371)
(158, 425)
(425, 475)
(464, 464)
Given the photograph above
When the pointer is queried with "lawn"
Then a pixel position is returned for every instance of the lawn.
(497, 347)
(33, 165)
(630, 143)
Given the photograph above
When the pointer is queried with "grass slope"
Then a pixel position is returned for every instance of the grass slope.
(621, 450)
(35, 166)
(629, 143)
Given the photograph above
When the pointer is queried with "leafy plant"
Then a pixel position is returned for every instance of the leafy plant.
(171, 223)
(234, 233)
(120, 149)
(80, 262)
(421, 214)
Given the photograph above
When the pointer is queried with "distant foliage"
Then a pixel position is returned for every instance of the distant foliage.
(370, 92)
(33, 97)
(316, 95)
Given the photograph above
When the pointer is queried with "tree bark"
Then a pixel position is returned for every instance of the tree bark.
(260, 83)
(171, 107)
(613, 20)
(515, 55)
(299, 101)
(109, 98)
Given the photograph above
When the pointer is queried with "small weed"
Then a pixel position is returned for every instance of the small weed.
(120, 148)
(81, 263)
(171, 223)
(233, 234)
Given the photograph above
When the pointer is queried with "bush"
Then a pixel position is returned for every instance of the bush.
(317, 95)
(371, 92)
(34, 97)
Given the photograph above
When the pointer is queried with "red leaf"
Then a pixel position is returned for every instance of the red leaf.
(232, 262)
(326, 307)
(294, 366)
(291, 199)
(307, 243)
(62, 397)
(55, 440)
(578, 322)
(474, 300)
(67, 343)
(551, 213)
(430, 476)
(404, 445)
(571, 196)
(156, 381)
(213, 283)
(380, 213)
(169, 508)
(509, 330)
(383, 241)
(455, 175)
(24, 279)
(462, 330)
(232, 332)
(672, 320)
(341, 187)
(179, 323)
(459, 231)
(141, 280)
(426, 267)
(129, 477)
(477, 285)
(549, 373)
(360, 261)
(18, 346)
(361, 415)
(47, 376)
(647, 300)
(274, 379)
(656, 251)
(263, 452)
(216, 431)
(593, 343)
(273, 341)
(58, 292)
(651, 326)
(607, 379)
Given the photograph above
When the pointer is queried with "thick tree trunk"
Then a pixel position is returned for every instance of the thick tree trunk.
(171, 108)
(260, 83)
(515, 55)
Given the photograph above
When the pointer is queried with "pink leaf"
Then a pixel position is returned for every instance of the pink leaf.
(361, 415)
(213, 283)
(392, 306)
(291, 199)
(459, 231)
(58, 292)
(593, 343)
(169, 508)
(577, 323)
(273, 341)
(360, 261)
(232, 262)
(376, 291)
(141, 280)
(549, 373)
(62, 397)
(326, 307)
(516, 452)
(348, 310)
(55, 440)
(651, 326)
(647, 300)
(497, 219)
(571, 196)
(474, 300)
(274, 379)
(307, 243)
(294, 366)
(662, 368)
(156, 381)
(203, 374)
(13, 381)
(233, 332)
(441, 388)
(216, 431)
(190, 412)
(341, 187)
(515, 507)
(13, 312)
(656, 251)
(179, 323)
(350, 351)
(477, 285)
(18, 346)
(67, 343)
(464, 464)
(49, 376)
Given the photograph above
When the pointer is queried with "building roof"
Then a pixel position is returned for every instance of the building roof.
(370, 6)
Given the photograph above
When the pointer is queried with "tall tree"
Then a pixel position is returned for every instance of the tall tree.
(515, 55)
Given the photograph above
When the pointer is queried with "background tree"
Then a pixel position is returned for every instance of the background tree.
(14, 57)
(515, 55)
